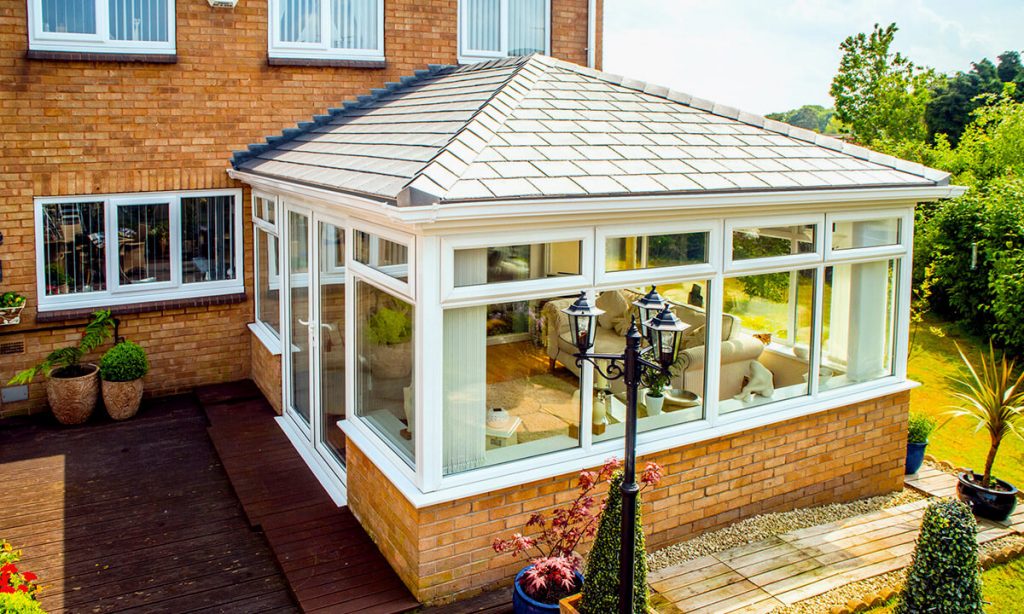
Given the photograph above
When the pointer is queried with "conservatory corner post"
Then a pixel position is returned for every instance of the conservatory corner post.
(627, 545)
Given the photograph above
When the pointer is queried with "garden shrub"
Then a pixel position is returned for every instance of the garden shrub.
(601, 585)
(19, 603)
(919, 427)
(124, 362)
(944, 577)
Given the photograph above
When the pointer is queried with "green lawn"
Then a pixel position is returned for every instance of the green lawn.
(1002, 587)
(932, 360)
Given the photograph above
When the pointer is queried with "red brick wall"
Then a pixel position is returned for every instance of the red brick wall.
(73, 128)
(266, 372)
(444, 551)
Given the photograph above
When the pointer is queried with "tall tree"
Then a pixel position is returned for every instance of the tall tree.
(955, 99)
(880, 94)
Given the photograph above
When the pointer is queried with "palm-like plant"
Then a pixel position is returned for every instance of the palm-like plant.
(993, 397)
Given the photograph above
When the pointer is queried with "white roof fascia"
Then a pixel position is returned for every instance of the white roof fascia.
(517, 208)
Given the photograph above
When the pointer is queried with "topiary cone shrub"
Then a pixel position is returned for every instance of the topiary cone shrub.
(601, 588)
(944, 577)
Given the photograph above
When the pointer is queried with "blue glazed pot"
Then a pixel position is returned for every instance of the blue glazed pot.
(524, 604)
(915, 456)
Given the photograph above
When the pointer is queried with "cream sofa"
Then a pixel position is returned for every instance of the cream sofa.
(738, 348)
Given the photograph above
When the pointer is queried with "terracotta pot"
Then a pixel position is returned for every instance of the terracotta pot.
(391, 361)
(122, 398)
(72, 399)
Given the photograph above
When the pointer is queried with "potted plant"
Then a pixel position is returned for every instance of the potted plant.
(993, 398)
(919, 428)
(121, 371)
(71, 387)
(11, 304)
(57, 280)
(390, 330)
(554, 569)
(654, 396)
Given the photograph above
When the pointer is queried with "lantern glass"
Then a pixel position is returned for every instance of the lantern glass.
(648, 306)
(582, 316)
(666, 331)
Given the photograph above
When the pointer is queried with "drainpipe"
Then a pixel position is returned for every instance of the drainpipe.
(591, 33)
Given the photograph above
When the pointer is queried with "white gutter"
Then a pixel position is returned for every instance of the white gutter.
(591, 33)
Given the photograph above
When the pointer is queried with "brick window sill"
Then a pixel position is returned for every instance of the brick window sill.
(272, 61)
(79, 56)
(148, 307)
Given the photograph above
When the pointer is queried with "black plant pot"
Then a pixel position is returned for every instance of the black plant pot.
(986, 502)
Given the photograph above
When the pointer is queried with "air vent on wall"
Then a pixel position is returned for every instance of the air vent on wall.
(12, 347)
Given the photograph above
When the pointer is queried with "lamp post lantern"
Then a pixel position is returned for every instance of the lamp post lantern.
(662, 329)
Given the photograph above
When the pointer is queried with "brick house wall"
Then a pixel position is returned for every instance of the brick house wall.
(100, 127)
(443, 552)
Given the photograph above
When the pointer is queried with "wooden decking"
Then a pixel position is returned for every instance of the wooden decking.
(935, 483)
(133, 516)
(330, 563)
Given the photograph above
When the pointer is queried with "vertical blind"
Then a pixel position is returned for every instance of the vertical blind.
(73, 248)
(354, 24)
(526, 27)
(300, 21)
(483, 25)
(138, 20)
(74, 16)
(207, 238)
(143, 243)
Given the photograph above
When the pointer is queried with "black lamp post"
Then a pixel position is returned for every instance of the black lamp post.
(662, 329)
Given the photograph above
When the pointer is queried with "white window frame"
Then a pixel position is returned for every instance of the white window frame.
(278, 48)
(270, 338)
(469, 56)
(776, 262)
(904, 218)
(713, 228)
(118, 294)
(100, 42)
(405, 289)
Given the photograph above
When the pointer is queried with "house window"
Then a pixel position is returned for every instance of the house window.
(773, 241)
(327, 29)
(655, 251)
(489, 265)
(103, 26)
(380, 254)
(498, 28)
(268, 281)
(125, 249)
(854, 234)
(385, 392)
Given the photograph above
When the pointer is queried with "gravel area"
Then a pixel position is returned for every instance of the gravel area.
(998, 544)
(768, 525)
(843, 594)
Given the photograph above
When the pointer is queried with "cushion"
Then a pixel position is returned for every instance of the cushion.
(622, 324)
(614, 305)
(692, 337)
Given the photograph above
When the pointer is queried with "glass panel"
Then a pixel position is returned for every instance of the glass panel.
(681, 399)
(526, 27)
(138, 20)
(332, 338)
(768, 242)
(655, 251)
(857, 323)
(265, 209)
(489, 265)
(144, 243)
(74, 251)
(72, 16)
(298, 283)
(354, 24)
(268, 281)
(207, 238)
(866, 233)
(765, 338)
(383, 255)
(503, 399)
(299, 21)
(385, 394)
(483, 25)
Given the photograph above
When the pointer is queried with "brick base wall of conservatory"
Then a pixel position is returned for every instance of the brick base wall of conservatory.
(443, 552)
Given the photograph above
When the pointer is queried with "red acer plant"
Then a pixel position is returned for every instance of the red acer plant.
(556, 533)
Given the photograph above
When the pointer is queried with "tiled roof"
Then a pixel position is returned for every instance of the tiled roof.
(536, 127)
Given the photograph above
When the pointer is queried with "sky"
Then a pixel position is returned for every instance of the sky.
(773, 55)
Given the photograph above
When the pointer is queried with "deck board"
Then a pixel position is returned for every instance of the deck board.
(329, 561)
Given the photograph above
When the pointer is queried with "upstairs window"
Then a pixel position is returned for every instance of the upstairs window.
(102, 26)
(498, 28)
(327, 29)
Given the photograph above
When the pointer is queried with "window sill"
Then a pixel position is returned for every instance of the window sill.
(327, 62)
(148, 307)
(270, 341)
(90, 56)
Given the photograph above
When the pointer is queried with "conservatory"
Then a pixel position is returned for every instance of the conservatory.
(414, 250)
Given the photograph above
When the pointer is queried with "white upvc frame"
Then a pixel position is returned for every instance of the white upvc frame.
(304, 426)
(270, 338)
(98, 42)
(118, 294)
(465, 296)
(902, 216)
(278, 48)
(713, 228)
(469, 56)
(767, 264)
(405, 289)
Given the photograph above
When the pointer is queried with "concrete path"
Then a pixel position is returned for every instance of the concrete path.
(801, 564)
